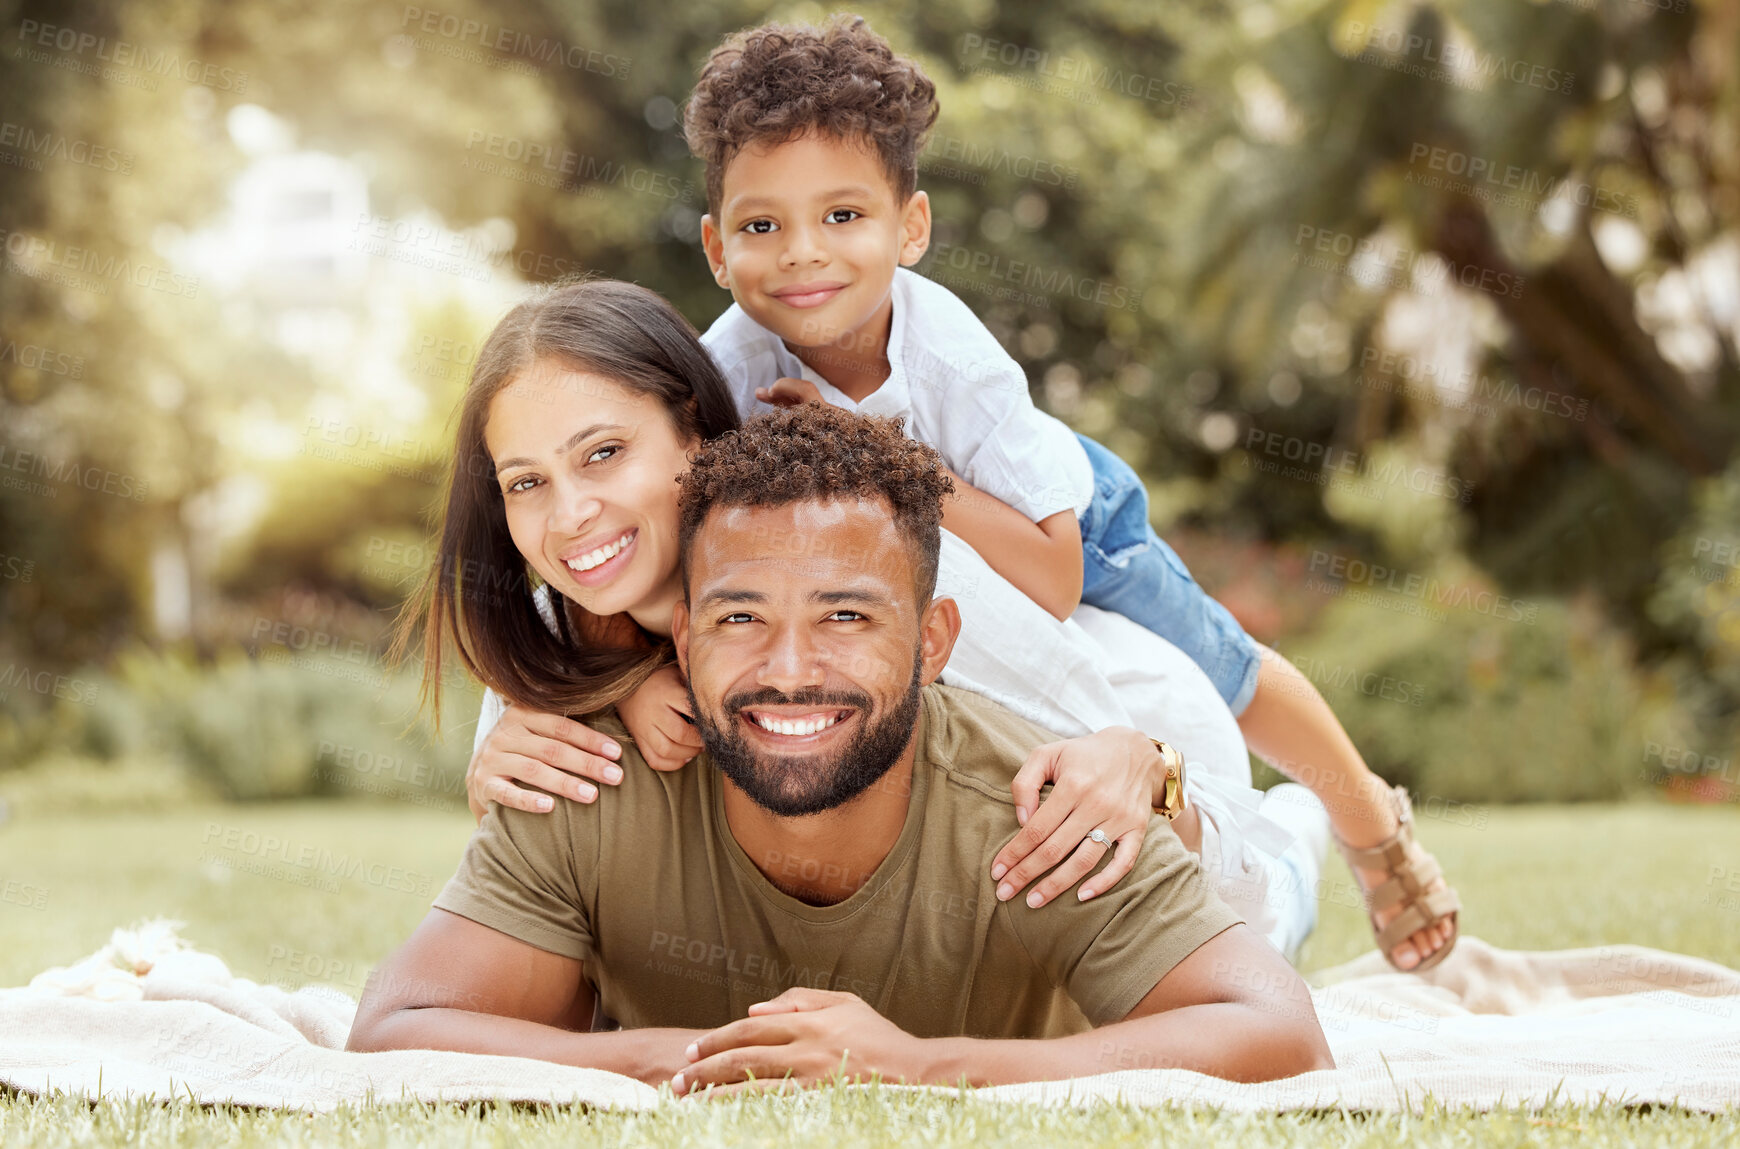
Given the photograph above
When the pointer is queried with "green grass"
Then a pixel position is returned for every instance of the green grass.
(1533, 877)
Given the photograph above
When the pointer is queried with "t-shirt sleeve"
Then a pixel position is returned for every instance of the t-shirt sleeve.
(523, 875)
(1109, 952)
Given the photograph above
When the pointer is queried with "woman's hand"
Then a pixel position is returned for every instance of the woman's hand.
(1105, 781)
(542, 750)
(657, 715)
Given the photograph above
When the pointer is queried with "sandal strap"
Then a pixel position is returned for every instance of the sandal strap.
(1392, 849)
(1405, 883)
(1428, 910)
(1410, 868)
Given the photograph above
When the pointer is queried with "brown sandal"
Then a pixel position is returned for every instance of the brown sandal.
(1411, 869)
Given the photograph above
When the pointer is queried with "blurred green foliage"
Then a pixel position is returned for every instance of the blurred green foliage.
(1196, 158)
(242, 728)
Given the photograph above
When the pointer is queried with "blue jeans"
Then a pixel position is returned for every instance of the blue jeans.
(1128, 569)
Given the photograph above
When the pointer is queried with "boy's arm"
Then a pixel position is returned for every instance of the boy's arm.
(1042, 560)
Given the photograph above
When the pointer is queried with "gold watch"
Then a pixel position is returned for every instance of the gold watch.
(1171, 802)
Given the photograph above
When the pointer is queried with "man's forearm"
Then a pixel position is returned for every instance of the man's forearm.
(1222, 1039)
(649, 1055)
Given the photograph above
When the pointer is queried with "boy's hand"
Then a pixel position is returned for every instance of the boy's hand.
(789, 393)
(657, 716)
(541, 750)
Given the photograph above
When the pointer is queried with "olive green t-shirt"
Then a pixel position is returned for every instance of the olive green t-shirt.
(677, 927)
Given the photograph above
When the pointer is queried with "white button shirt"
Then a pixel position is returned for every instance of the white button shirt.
(952, 382)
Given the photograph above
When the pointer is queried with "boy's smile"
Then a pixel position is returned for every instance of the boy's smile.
(808, 238)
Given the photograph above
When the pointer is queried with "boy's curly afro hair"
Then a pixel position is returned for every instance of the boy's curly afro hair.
(777, 82)
(816, 451)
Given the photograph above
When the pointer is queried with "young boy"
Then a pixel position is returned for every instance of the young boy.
(810, 137)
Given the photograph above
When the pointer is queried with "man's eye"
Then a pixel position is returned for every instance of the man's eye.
(760, 227)
(739, 616)
(846, 616)
(833, 216)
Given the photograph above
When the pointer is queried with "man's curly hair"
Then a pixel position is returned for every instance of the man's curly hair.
(777, 82)
(816, 451)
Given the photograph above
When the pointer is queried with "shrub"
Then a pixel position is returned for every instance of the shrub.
(1476, 708)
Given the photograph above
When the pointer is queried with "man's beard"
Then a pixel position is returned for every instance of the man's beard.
(795, 786)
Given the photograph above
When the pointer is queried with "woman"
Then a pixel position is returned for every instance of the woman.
(581, 411)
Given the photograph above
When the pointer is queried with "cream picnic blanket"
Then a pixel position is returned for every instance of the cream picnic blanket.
(149, 1016)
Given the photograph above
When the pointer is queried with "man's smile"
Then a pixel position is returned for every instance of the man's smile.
(789, 726)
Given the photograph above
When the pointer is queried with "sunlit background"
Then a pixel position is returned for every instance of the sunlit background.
(1421, 321)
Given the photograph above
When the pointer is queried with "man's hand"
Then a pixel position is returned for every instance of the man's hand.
(1104, 781)
(789, 392)
(801, 1038)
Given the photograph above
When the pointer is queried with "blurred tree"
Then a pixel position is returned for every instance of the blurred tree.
(1153, 182)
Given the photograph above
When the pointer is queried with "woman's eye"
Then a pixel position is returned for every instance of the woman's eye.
(833, 216)
(603, 453)
(524, 483)
(759, 227)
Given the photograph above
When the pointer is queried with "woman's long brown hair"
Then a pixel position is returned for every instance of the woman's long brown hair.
(478, 591)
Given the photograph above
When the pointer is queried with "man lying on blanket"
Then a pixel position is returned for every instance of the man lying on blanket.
(817, 901)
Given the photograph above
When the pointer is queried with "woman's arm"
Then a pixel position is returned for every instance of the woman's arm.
(1042, 560)
(1110, 781)
(544, 750)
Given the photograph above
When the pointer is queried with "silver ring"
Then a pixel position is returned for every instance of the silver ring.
(1099, 835)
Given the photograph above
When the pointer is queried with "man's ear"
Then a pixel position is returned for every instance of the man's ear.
(937, 632)
(714, 245)
(915, 229)
(680, 634)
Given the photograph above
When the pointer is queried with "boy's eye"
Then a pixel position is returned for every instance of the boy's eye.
(834, 216)
(760, 227)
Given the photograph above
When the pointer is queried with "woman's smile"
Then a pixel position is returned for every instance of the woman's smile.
(593, 565)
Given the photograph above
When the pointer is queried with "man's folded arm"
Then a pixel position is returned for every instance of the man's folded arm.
(459, 985)
(1234, 1008)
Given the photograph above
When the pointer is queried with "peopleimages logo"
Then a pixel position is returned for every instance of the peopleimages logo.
(1462, 65)
(1359, 573)
(124, 54)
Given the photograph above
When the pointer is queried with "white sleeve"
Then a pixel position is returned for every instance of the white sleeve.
(487, 717)
(1074, 679)
(741, 351)
(1099, 669)
(1010, 650)
(1031, 461)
